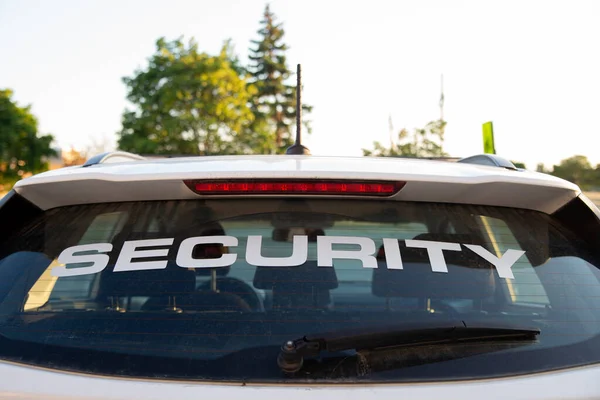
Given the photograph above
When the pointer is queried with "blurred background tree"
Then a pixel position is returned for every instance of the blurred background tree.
(73, 157)
(22, 150)
(424, 142)
(578, 170)
(187, 102)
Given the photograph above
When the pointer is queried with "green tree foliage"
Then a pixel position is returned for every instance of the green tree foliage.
(519, 164)
(22, 150)
(577, 169)
(187, 102)
(424, 142)
(274, 106)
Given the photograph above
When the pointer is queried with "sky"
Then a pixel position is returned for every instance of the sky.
(532, 67)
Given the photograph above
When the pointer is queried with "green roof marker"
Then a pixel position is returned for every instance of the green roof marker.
(488, 138)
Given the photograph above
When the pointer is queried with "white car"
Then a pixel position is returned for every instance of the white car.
(269, 277)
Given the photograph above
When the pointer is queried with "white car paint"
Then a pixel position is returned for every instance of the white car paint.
(426, 180)
(20, 382)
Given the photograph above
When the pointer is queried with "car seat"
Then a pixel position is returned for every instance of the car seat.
(303, 287)
(218, 294)
(167, 288)
(469, 276)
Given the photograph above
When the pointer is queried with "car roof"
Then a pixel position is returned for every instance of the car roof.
(426, 180)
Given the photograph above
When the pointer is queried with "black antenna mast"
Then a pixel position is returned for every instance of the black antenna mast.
(297, 148)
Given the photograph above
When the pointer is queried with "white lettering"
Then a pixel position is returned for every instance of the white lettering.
(99, 261)
(94, 258)
(298, 257)
(503, 264)
(435, 252)
(130, 251)
(185, 259)
(392, 254)
(326, 254)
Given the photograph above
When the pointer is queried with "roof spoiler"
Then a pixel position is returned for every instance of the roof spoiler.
(490, 160)
(112, 157)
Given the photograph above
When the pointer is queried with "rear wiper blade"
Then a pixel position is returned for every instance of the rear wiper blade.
(292, 354)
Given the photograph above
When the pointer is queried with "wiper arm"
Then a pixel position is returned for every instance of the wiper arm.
(293, 352)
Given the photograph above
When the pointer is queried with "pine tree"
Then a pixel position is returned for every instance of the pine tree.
(274, 104)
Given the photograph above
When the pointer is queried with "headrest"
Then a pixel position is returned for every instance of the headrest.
(171, 281)
(200, 251)
(465, 257)
(469, 276)
(204, 251)
(12, 268)
(303, 277)
(123, 236)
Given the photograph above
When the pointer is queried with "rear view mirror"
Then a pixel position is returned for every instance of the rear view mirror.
(280, 235)
(305, 219)
(287, 235)
(294, 213)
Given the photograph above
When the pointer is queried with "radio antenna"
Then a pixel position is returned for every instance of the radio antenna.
(297, 148)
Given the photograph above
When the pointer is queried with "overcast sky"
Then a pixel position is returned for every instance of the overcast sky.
(531, 67)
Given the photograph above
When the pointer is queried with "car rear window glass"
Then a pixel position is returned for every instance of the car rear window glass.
(211, 289)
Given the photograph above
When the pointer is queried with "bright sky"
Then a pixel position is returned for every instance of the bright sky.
(532, 67)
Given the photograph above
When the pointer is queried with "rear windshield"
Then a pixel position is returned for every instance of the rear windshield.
(211, 290)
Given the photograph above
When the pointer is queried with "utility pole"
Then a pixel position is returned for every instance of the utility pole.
(442, 125)
(391, 127)
(442, 99)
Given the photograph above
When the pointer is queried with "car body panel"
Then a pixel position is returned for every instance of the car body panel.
(425, 180)
(20, 382)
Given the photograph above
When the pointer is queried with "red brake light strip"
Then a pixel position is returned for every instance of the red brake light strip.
(236, 187)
